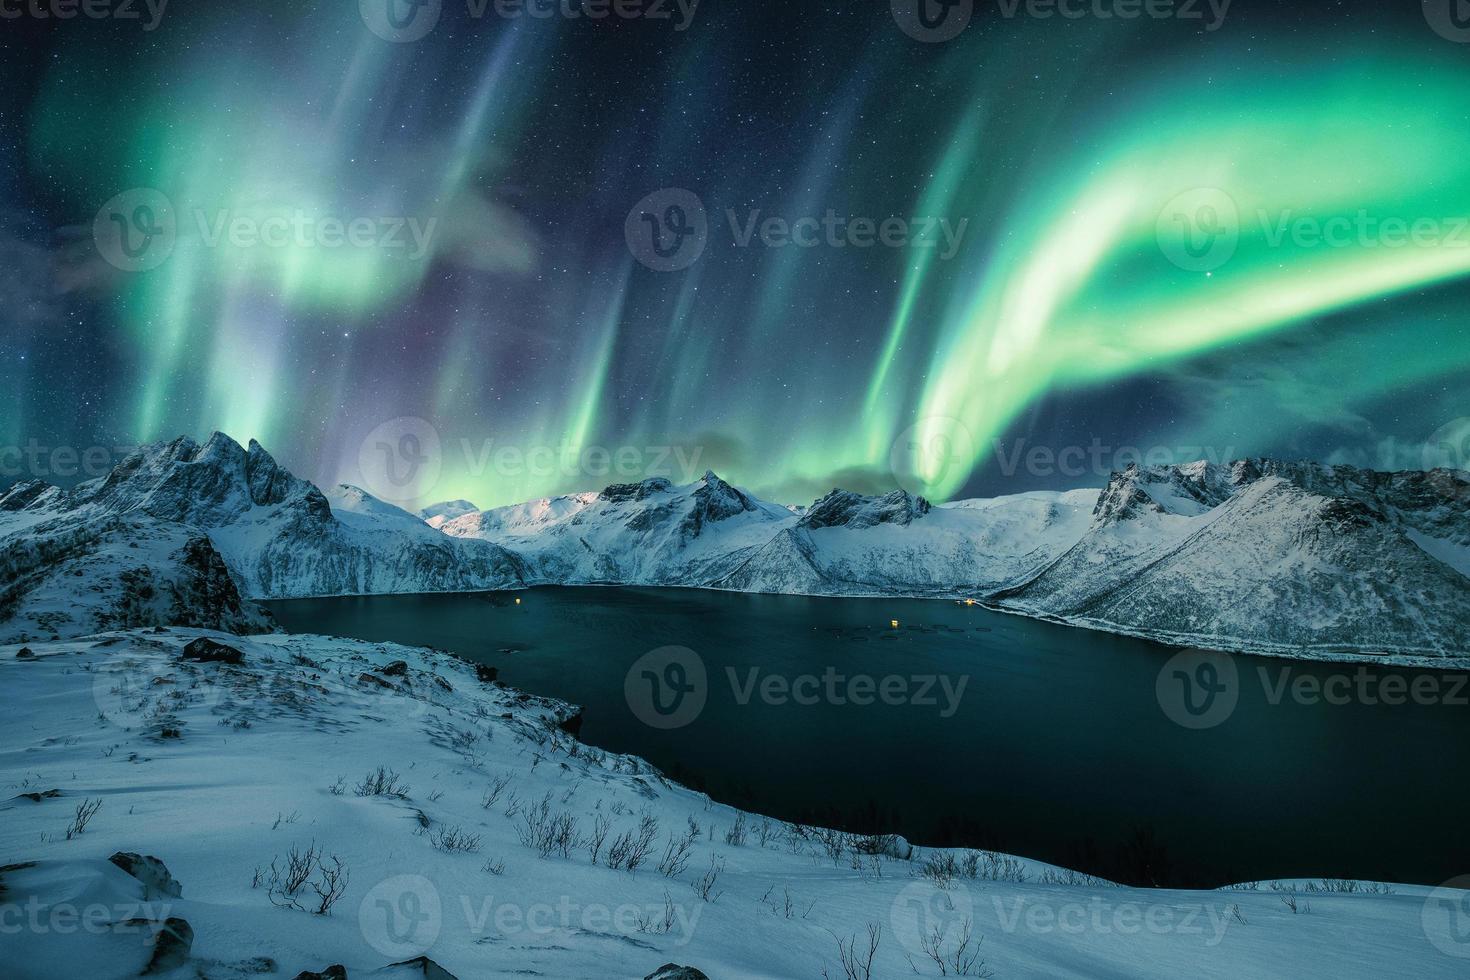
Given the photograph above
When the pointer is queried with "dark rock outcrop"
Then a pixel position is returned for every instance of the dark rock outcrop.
(673, 971)
(151, 872)
(207, 651)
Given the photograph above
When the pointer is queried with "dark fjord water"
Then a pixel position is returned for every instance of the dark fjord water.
(1056, 748)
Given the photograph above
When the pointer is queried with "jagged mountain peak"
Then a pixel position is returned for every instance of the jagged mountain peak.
(621, 492)
(180, 480)
(844, 508)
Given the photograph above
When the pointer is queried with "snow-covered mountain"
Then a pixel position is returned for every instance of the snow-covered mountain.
(1269, 556)
(64, 575)
(172, 517)
(649, 533)
(436, 515)
(848, 544)
(1258, 554)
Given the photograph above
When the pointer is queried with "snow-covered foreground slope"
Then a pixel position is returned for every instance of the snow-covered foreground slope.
(220, 771)
(1273, 557)
(177, 510)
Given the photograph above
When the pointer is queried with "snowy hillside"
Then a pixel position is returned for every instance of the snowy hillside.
(1266, 556)
(649, 533)
(335, 803)
(436, 515)
(61, 576)
(277, 535)
(847, 544)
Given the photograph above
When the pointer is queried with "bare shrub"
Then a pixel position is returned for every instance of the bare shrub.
(676, 853)
(544, 831)
(630, 848)
(454, 840)
(289, 877)
(834, 842)
(857, 957)
(735, 836)
(601, 827)
(704, 885)
(331, 885)
(942, 869)
(382, 782)
(962, 959)
(85, 811)
(657, 923)
(493, 793)
(1072, 879)
(877, 845)
(993, 866)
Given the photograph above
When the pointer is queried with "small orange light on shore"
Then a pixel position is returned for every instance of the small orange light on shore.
(969, 602)
(893, 623)
(518, 600)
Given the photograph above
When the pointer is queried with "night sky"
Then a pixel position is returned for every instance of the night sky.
(1137, 210)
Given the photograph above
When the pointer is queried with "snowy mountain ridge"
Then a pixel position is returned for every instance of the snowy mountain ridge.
(177, 523)
(1257, 554)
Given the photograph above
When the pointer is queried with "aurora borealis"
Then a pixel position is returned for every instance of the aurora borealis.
(1327, 150)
